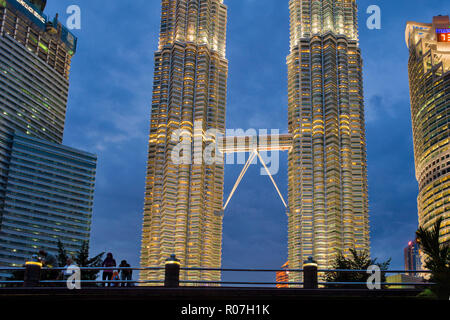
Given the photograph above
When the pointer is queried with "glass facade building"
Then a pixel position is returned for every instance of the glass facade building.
(49, 197)
(189, 94)
(429, 79)
(413, 260)
(328, 193)
(46, 189)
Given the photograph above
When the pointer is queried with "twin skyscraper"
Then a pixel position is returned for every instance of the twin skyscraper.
(46, 189)
(328, 197)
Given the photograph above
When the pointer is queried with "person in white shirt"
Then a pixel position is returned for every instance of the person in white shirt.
(68, 271)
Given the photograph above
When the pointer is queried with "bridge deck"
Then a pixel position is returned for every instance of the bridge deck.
(282, 142)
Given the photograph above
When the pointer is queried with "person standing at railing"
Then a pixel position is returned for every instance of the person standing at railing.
(67, 272)
(125, 275)
(49, 261)
(109, 262)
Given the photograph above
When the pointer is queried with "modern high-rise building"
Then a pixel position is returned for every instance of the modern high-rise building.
(429, 80)
(328, 193)
(183, 202)
(46, 189)
(49, 197)
(412, 257)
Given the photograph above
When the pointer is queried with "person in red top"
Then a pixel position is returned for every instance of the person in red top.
(109, 262)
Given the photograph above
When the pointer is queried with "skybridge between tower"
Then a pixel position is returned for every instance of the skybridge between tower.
(236, 144)
(255, 145)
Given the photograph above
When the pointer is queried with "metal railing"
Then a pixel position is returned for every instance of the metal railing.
(312, 277)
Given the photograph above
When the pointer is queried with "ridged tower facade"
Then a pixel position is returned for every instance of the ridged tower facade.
(182, 201)
(328, 193)
(429, 78)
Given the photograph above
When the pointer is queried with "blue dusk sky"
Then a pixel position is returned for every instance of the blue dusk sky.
(109, 114)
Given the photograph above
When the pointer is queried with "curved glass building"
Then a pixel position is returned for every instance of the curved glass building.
(429, 79)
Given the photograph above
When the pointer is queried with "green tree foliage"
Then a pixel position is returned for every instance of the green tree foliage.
(437, 259)
(81, 259)
(359, 260)
(62, 254)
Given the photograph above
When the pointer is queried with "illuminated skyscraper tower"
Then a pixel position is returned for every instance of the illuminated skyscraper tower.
(429, 79)
(46, 189)
(182, 202)
(328, 196)
(412, 257)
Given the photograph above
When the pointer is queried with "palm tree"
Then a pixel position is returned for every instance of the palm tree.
(359, 260)
(437, 258)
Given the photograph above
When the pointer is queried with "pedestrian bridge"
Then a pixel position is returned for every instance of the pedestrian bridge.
(255, 145)
(235, 144)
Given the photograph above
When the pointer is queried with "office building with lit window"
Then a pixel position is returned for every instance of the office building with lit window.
(412, 257)
(49, 197)
(429, 80)
(183, 202)
(328, 193)
(46, 189)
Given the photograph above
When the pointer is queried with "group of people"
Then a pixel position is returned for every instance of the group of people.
(123, 274)
(109, 274)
